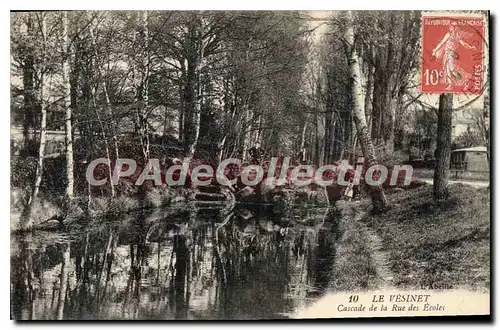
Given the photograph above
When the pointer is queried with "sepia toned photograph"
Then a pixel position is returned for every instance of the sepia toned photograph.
(249, 165)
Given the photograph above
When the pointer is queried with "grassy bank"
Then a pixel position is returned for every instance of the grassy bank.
(416, 244)
(354, 268)
(437, 246)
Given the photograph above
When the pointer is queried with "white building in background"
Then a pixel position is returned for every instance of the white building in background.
(470, 107)
(464, 120)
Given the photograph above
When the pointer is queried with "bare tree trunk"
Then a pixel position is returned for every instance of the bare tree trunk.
(303, 135)
(106, 145)
(43, 125)
(389, 103)
(197, 106)
(141, 84)
(67, 105)
(108, 107)
(221, 147)
(245, 132)
(259, 128)
(376, 192)
(182, 104)
(399, 132)
(43, 141)
(193, 88)
(29, 92)
(378, 102)
(368, 98)
(443, 151)
(104, 87)
(112, 120)
(145, 88)
(389, 127)
(165, 122)
(140, 75)
(317, 155)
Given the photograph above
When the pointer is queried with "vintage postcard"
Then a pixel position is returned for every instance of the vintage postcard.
(249, 165)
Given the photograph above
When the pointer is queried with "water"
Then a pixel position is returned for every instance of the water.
(203, 263)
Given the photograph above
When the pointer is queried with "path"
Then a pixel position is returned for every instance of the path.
(475, 184)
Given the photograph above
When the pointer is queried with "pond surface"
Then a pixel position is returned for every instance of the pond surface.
(201, 263)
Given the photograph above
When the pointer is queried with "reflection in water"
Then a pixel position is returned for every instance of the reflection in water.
(205, 263)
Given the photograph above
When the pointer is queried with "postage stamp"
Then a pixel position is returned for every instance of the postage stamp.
(453, 53)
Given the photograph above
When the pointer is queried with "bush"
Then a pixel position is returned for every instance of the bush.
(41, 210)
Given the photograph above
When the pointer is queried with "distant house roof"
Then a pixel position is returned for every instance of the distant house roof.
(472, 149)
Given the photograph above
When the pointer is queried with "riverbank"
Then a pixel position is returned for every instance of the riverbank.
(49, 212)
(354, 268)
(416, 244)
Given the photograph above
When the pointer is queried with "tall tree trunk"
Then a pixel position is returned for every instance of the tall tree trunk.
(330, 145)
(166, 125)
(388, 129)
(246, 132)
(104, 87)
(182, 103)
(303, 135)
(27, 221)
(376, 192)
(399, 132)
(377, 102)
(106, 145)
(259, 128)
(443, 151)
(390, 109)
(317, 153)
(145, 88)
(197, 108)
(67, 105)
(368, 98)
(193, 93)
(188, 100)
(29, 92)
(43, 139)
(93, 98)
(140, 69)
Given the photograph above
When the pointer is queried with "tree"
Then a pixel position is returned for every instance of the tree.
(100, 76)
(387, 43)
(443, 151)
(197, 38)
(379, 200)
(43, 122)
(141, 78)
(29, 86)
(67, 105)
(335, 94)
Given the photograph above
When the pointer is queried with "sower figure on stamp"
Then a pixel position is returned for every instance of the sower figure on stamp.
(448, 52)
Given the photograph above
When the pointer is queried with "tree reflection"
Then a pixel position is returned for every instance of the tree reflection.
(201, 263)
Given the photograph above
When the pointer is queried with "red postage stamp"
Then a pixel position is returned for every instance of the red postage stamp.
(453, 54)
